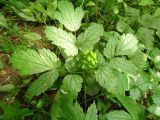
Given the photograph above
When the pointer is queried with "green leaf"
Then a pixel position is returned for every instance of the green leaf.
(111, 80)
(30, 61)
(31, 36)
(135, 93)
(90, 37)
(6, 88)
(44, 82)
(156, 95)
(72, 64)
(72, 84)
(132, 13)
(139, 59)
(123, 27)
(118, 115)
(146, 2)
(127, 45)
(92, 112)
(69, 17)
(62, 39)
(110, 49)
(123, 65)
(146, 36)
(150, 21)
(111, 36)
(100, 58)
(132, 107)
(154, 109)
(158, 33)
(3, 21)
(71, 112)
(13, 112)
(51, 7)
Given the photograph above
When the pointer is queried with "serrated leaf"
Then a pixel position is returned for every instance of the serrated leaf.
(123, 65)
(127, 45)
(30, 61)
(110, 49)
(44, 82)
(118, 115)
(69, 17)
(90, 37)
(71, 112)
(136, 110)
(92, 112)
(62, 39)
(72, 84)
(111, 80)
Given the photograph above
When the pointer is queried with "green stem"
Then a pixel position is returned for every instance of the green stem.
(82, 3)
(85, 96)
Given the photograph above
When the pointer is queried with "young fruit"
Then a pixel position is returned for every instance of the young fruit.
(88, 60)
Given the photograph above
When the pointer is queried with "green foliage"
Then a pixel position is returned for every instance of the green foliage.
(92, 112)
(13, 111)
(137, 111)
(80, 59)
(62, 39)
(69, 17)
(127, 45)
(44, 82)
(90, 37)
(112, 80)
(123, 65)
(118, 115)
(72, 84)
(30, 62)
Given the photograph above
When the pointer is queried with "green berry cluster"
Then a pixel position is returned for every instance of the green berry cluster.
(88, 60)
